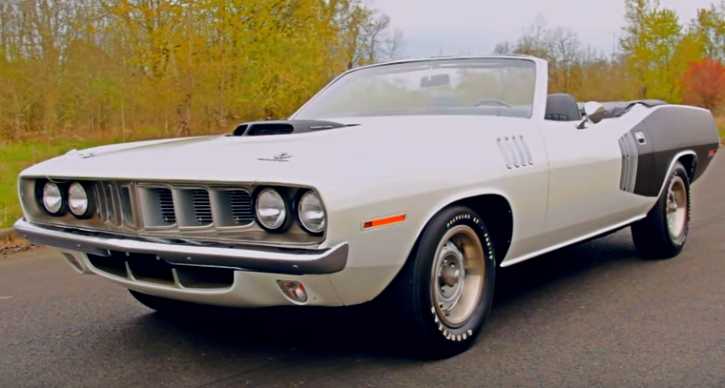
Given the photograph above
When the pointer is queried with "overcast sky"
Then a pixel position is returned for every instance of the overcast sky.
(475, 26)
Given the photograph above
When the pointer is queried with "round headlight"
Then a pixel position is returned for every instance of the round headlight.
(271, 209)
(311, 213)
(52, 198)
(77, 199)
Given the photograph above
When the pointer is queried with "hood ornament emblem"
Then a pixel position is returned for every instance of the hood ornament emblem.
(283, 157)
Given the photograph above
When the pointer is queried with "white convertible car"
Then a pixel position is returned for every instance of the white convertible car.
(407, 182)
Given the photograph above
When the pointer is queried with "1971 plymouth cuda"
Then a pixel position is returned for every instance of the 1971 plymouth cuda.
(408, 182)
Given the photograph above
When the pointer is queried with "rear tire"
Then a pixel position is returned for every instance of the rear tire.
(663, 233)
(443, 294)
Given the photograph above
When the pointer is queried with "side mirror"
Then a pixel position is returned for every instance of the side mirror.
(594, 112)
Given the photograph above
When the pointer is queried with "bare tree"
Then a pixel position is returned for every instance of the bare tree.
(378, 42)
(536, 39)
(373, 34)
(393, 46)
(565, 52)
(503, 48)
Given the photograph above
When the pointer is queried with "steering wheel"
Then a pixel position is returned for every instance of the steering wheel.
(492, 101)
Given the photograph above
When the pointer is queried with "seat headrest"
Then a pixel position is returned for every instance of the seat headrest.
(562, 107)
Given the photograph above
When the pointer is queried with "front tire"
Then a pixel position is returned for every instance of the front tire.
(444, 293)
(164, 306)
(663, 233)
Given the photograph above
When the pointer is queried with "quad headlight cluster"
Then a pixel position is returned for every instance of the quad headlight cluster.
(275, 211)
(58, 198)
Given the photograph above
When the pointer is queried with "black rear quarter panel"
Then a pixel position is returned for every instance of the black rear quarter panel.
(669, 130)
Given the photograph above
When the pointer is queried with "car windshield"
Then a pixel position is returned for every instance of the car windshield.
(481, 86)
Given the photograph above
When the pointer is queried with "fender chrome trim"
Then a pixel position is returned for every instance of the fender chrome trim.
(299, 262)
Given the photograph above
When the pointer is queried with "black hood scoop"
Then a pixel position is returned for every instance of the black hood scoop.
(284, 127)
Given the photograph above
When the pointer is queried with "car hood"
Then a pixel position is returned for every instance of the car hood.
(377, 147)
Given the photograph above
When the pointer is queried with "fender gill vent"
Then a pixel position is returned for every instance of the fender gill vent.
(628, 176)
(515, 151)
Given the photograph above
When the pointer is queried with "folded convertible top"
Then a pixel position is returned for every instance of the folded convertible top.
(618, 108)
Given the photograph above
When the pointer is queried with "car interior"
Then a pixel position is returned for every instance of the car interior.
(564, 107)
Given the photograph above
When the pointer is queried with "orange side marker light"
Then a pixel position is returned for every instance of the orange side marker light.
(384, 221)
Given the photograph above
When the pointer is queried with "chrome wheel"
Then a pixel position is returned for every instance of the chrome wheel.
(458, 276)
(676, 207)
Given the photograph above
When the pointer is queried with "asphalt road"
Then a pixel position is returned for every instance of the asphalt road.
(588, 316)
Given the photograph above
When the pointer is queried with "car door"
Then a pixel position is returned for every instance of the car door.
(522, 153)
(585, 176)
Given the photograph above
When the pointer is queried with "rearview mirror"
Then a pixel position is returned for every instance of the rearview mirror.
(435, 80)
(594, 112)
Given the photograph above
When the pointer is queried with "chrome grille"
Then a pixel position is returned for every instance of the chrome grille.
(126, 202)
(202, 207)
(186, 207)
(232, 208)
(241, 206)
(166, 206)
(110, 209)
(156, 207)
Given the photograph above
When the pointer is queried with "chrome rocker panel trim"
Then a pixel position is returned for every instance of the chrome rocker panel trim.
(301, 262)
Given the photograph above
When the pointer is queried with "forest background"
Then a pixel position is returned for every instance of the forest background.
(80, 73)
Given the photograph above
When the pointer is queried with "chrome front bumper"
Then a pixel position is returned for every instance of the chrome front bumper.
(299, 262)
